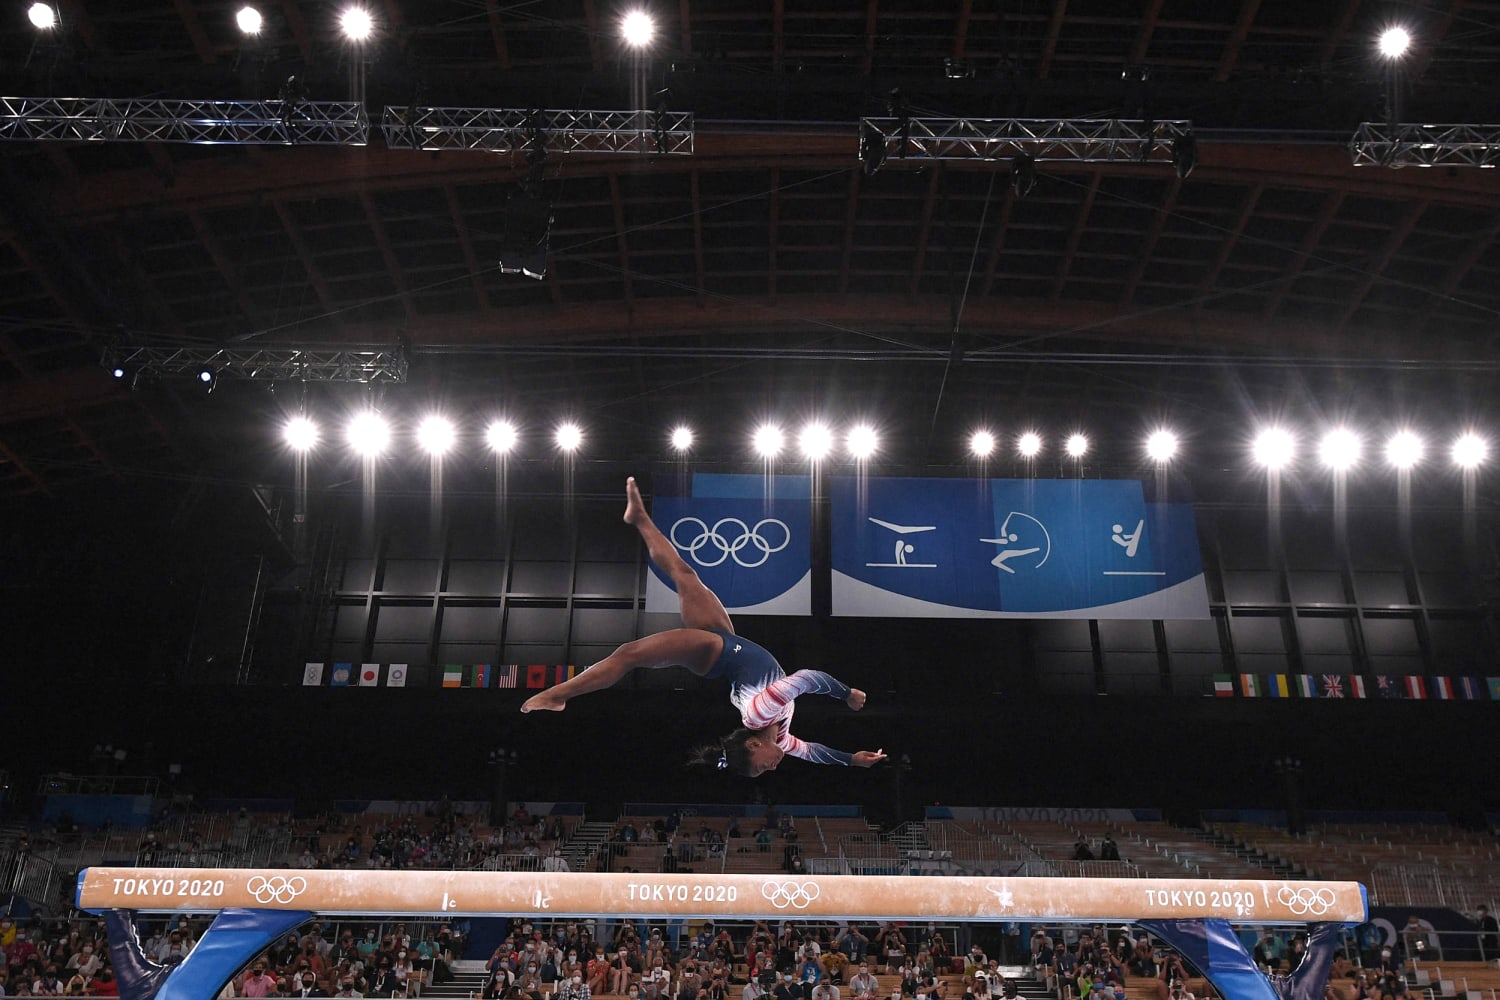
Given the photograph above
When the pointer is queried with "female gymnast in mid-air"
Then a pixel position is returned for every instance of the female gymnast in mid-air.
(708, 647)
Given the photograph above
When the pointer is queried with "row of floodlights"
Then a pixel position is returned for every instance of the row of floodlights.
(1340, 449)
(356, 22)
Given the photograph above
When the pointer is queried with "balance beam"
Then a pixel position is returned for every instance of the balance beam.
(589, 894)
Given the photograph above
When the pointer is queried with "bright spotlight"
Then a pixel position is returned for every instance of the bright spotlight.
(1394, 42)
(1470, 450)
(500, 436)
(1273, 448)
(249, 20)
(981, 444)
(356, 23)
(768, 441)
(637, 29)
(682, 438)
(436, 435)
(1161, 446)
(1404, 450)
(1029, 444)
(118, 372)
(300, 433)
(569, 437)
(369, 434)
(863, 441)
(815, 441)
(1078, 445)
(42, 16)
(205, 375)
(1339, 450)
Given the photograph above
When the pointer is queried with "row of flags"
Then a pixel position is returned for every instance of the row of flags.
(452, 675)
(1413, 687)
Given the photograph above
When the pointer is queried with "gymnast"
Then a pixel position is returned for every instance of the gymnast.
(709, 647)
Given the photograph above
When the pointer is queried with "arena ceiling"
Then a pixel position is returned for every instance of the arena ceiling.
(767, 268)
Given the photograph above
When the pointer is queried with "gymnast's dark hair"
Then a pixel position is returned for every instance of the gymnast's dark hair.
(729, 754)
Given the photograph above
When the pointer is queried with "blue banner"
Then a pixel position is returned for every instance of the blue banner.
(748, 539)
(1012, 548)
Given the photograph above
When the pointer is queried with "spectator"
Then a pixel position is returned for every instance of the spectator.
(854, 943)
(1489, 935)
(1081, 850)
(825, 990)
(753, 990)
(1108, 849)
(258, 983)
(834, 963)
(1417, 940)
(890, 944)
(555, 862)
(308, 986)
(863, 985)
(574, 988)
(763, 839)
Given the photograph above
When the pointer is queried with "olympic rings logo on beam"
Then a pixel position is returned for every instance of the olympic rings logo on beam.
(1313, 902)
(278, 888)
(730, 548)
(797, 895)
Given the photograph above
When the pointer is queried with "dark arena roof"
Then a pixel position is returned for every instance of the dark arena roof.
(1250, 273)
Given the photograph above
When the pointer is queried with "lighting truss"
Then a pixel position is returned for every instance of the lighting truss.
(1380, 145)
(1082, 140)
(507, 130)
(307, 365)
(242, 123)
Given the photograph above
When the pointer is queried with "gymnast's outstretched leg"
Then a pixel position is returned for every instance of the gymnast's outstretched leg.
(692, 647)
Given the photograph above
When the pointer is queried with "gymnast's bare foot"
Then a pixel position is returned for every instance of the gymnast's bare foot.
(547, 701)
(635, 510)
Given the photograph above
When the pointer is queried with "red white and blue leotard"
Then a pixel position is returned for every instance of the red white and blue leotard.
(766, 696)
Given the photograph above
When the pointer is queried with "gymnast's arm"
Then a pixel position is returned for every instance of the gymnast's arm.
(770, 704)
(817, 753)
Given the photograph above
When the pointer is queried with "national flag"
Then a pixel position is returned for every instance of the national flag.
(1276, 686)
(369, 675)
(479, 676)
(396, 676)
(561, 673)
(453, 676)
(1248, 686)
(1388, 687)
(312, 675)
(1357, 686)
(536, 676)
(1494, 686)
(1443, 688)
(340, 676)
(1469, 688)
(1332, 685)
(505, 677)
(1307, 686)
(1223, 686)
(1416, 687)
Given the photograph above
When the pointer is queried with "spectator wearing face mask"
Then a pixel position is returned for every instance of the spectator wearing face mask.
(863, 985)
(256, 983)
(574, 988)
(307, 986)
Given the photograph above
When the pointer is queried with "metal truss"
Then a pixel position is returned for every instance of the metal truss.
(1379, 145)
(1085, 140)
(508, 130)
(244, 123)
(309, 365)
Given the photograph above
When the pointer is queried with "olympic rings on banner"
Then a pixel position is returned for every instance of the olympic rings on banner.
(1314, 902)
(797, 895)
(279, 888)
(730, 546)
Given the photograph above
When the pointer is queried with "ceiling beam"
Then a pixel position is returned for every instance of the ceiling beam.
(11, 457)
(1229, 242)
(1461, 267)
(194, 27)
(1305, 248)
(298, 26)
(622, 245)
(1336, 34)
(591, 21)
(1429, 39)
(1080, 222)
(1248, 10)
(466, 245)
(1143, 35)
(773, 232)
(997, 245)
(697, 202)
(497, 33)
(872, 19)
(387, 254)
(1376, 267)
(961, 28)
(59, 393)
(924, 228)
(1054, 30)
(309, 264)
(851, 217)
(1148, 245)
(226, 268)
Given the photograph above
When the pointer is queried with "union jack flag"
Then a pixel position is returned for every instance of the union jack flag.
(1333, 685)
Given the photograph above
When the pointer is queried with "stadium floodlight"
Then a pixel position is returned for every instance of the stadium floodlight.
(569, 437)
(981, 444)
(1394, 42)
(1161, 446)
(1078, 445)
(501, 436)
(117, 372)
(1274, 448)
(637, 29)
(815, 441)
(436, 435)
(682, 438)
(356, 23)
(768, 440)
(1404, 449)
(369, 434)
(1029, 445)
(1340, 448)
(249, 20)
(1470, 450)
(300, 434)
(43, 16)
(863, 441)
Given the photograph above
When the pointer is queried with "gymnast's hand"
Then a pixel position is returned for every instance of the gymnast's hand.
(856, 699)
(868, 758)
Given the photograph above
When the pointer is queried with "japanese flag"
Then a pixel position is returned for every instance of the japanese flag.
(369, 674)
